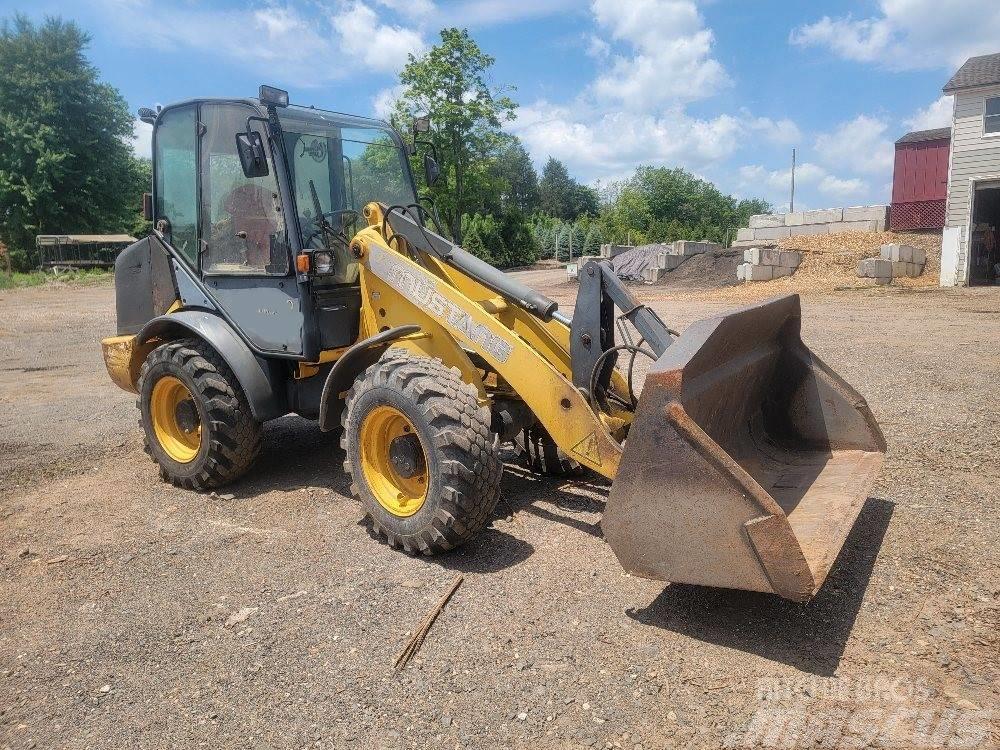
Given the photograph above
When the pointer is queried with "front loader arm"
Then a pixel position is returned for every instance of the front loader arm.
(458, 315)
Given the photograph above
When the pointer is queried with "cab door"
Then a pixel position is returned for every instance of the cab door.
(245, 257)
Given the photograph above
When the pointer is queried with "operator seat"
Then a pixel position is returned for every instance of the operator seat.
(252, 210)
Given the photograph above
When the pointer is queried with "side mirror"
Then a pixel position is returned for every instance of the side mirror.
(147, 206)
(253, 157)
(432, 171)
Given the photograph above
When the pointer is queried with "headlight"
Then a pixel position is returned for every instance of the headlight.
(323, 262)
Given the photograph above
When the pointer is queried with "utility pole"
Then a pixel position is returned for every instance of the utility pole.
(791, 204)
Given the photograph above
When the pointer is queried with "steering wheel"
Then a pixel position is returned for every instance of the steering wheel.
(324, 220)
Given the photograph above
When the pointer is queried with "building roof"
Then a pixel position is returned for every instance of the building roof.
(919, 136)
(977, 71)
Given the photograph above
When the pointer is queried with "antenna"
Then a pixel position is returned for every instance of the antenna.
(791, 204)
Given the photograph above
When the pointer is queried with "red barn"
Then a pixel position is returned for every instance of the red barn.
(920, 180)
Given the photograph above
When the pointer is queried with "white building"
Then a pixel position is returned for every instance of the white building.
(970, 252)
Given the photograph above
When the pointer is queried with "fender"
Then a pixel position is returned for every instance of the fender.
(266, 402)
(351, 364)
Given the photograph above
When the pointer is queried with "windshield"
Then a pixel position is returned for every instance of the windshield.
(337, 166)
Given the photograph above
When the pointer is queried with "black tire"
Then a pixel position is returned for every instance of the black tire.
(460, 452)
(230, 437)
(540, 454)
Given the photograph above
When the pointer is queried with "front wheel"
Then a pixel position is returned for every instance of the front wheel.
(198, 425)
(421, 456)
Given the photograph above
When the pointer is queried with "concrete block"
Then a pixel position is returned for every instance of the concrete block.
(744, 234)
(823, 216)
(867, 213)
(789, 259)
(741, 271)
(883, 280)
(795, 219)
(899, 268)
(689, 247)
(742, 244)
(919, 256)
(762, 256)
(808, 230)
(669, 261)
(759, 273)
(874, 268)
(762, 221)
(897, 253)
(775, 233)
(913, 270)
(853, 226)
(611, 251)
(652, 274)
(778, 271)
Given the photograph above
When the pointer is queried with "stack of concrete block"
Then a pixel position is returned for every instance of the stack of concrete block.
(677, 252)
(611, 251)
(764, 264)
(894, 261)
(769, 229)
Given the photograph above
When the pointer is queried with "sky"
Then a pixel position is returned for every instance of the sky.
(723, 88)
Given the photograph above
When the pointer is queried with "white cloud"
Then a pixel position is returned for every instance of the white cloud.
(293, 44)
(410, 8)
(777, 180)
(495, 12)
(611, 143)
(142, 139)
(381, 47)
(597, 47)
(937, 114)
(669, 57)
(842, 189)
(783, 132)
(810, 178)
(909, 34)
(383, 103)
(858, 145)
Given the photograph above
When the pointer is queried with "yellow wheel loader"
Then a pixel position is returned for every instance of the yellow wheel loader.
(292, 269)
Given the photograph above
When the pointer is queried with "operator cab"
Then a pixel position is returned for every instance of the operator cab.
(239, 231)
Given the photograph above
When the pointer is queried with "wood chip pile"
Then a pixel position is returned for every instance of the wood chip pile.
(831, 261)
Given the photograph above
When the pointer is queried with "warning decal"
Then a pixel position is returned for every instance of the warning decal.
(588, 449)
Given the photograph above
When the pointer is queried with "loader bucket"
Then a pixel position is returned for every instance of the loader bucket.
(748, 460)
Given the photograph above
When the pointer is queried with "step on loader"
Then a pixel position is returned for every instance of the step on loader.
(292, 269)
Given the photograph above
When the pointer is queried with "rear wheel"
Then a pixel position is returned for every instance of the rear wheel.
(422, 459)
(197, 422)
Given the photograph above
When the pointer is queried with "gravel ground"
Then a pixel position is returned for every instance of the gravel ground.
(133, 614)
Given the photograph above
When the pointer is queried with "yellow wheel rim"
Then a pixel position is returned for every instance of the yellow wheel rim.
(171, 406)
(399, 486)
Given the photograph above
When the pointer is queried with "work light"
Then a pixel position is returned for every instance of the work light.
(323, 263)
(273, 97)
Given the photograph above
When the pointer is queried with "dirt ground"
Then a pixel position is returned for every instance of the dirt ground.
(134, 614)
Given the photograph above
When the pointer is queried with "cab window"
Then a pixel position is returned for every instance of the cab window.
(176, 179)
(242, 226)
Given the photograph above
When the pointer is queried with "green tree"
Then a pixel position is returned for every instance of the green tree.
(562, 196)
(556, 190)
(65, 160)
(520, 178)
(483, 238)
(658, 204)
(449, 83)
(592, 244)
(522, 247)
